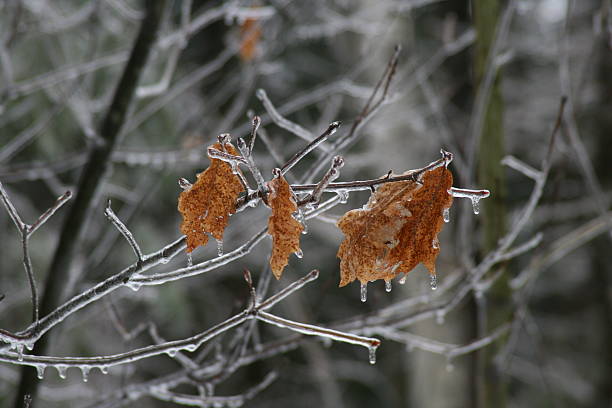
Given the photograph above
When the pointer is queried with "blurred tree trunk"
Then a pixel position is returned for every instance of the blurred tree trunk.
(493, 309)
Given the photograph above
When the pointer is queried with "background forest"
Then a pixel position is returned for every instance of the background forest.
(118, 99)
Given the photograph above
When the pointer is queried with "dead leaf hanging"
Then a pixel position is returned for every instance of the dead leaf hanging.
(207, 205)
(396, 230)
(285, 229)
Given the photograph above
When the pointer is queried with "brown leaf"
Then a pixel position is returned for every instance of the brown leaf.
(285, 229)
(396, 230)
(250, 33)
(208, 204)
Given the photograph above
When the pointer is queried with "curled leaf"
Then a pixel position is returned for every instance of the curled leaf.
(207, 205)
(396, 230)
(285, 229)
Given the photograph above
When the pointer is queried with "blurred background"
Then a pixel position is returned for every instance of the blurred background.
(482, 79)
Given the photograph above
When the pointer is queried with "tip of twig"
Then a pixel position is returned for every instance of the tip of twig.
(247, 277)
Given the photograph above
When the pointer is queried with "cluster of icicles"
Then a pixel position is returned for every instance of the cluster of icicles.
(475, 198)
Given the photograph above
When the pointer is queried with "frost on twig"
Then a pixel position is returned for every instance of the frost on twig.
(26, 230)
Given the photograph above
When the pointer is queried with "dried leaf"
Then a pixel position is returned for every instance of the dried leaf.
(250, 33)
(208, 204)
(285, 229)
(396, 230)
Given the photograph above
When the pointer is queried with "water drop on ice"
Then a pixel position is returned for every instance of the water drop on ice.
(402, 280)
(299, 253)
(40, 371)
(435, 244)
(61, 370)
(171, 353)
(191, 347)
(219, 247)
(103, 369)
(85, 372)
(372, 354)
(364, 291)
(475, 204)
(388, 286)
(433, 283)
(446, 214)
(29, 346)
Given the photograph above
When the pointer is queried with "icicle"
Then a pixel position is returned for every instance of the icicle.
(133, 285)
(388, 286)
(189, 260)
(475, 204)
(40, 371)
(364, 291)
(299, 253)
(343, 196)
(85, 372)
(299, 217)
(440, 317)
(372, 354)
(61, 370)
(103, 369)
(449, 365)
(433, 282)
(19, 348)
(219, 247)
(446, 214)
(29, 346)
(474, 195)
(402, 280)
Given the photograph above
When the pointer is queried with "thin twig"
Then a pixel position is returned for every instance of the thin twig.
(112, 217)
(331, 129)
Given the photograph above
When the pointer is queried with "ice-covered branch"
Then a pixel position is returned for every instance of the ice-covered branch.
(112, 217)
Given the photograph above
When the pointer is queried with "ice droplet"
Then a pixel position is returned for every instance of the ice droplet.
(29, 346)
(171, 352)
(103, 369)
(343, 196)
(388, 286)
(184, 183)
(19, 348)
(449, 365)
(299, 254)
(189, 260)
(440, 317)
(364, 291)
(446, 214)
(433, 282)
(40, 371)
(133, 285)
(219, 247)
(85, 372)
(61, 370)
(372, 354)
(402, 280)
(191, 347)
